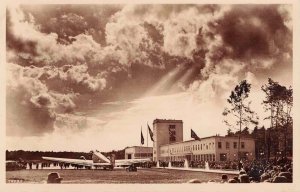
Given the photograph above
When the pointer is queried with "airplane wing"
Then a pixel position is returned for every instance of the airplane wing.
(70, 161)
(98, 160)
(82, 162)
(127, 162)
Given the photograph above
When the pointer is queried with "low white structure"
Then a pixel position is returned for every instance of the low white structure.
(138, 152)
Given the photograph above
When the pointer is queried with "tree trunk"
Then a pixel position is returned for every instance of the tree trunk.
(239, 142)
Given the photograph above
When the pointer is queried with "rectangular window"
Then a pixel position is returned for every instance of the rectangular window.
(242, 145)
(220, 145)
(172, 133)
(234, 145)
(227, 145)
(201, 146)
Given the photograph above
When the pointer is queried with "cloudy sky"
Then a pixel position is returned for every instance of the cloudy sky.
(82, 77)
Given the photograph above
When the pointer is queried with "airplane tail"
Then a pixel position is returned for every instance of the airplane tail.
(98, 157)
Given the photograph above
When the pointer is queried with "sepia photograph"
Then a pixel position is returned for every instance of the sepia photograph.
(149, 94)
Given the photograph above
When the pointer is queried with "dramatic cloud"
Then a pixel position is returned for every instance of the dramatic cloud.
(253, 39)
(67, 58)
(30, 105)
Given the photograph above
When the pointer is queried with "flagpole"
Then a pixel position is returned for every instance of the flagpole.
(147, 143)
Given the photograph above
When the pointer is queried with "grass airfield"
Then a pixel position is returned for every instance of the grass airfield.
(146, 176)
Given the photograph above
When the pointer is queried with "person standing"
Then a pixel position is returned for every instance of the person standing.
(240, 165)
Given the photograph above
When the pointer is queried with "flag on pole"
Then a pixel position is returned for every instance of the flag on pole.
(194, 135)
(150, 132)
(142, 137)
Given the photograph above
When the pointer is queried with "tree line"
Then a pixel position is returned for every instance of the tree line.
(277, 139)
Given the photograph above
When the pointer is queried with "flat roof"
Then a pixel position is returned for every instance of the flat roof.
(167, 121)
(215, 136)
(137, 147)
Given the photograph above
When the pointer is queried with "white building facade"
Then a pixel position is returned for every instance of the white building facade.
(215, 148)
(138, 152)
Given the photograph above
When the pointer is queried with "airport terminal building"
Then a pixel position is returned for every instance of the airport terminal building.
(168, 145)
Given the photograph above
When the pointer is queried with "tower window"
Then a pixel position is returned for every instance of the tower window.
(172, 133)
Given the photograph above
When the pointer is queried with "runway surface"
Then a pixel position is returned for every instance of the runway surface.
(151, 175)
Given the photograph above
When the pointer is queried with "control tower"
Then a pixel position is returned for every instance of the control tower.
(166, 131)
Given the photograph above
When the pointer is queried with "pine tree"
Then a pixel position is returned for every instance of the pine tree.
(239, 109)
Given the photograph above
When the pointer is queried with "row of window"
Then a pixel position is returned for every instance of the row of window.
(190, 148)
(202, 147)
(227, 145)
(140, 155)
(203, 157)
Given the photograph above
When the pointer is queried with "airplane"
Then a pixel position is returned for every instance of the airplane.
(98, 161)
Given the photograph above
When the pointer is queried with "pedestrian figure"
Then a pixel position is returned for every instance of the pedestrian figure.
(54, 178)
(240, 165)
(224, 178)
